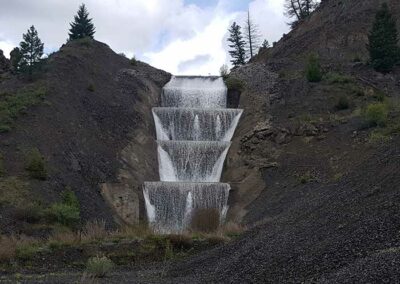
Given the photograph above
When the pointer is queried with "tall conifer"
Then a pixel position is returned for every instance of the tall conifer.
(383, 38)
(82, 25)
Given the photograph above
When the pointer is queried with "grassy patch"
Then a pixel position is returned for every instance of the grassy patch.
(99, 267)
(13, 192)
(313, 69)
(13, 105)
(336, 78)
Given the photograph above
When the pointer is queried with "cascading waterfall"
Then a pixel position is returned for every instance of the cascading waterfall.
(194, 129)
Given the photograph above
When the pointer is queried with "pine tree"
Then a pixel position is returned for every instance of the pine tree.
(237, 52)
(31, 51)
(299, 9)
(82, 26)
(383, 38)
(252, 36)
(265, 44)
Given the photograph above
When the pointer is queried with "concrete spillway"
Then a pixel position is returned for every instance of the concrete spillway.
(194, 128)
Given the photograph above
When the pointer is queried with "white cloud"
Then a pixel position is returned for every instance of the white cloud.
(164, 33)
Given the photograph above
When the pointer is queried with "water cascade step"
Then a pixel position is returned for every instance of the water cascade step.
(194, 129)
(196, 124)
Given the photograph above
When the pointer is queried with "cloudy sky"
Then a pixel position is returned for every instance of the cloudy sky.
(180, 36)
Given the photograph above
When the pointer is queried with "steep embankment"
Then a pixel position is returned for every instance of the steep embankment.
(322, 187)
(93, 128)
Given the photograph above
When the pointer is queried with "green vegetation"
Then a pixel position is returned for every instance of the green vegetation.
(35, 164)
(82, 26)
(237, 46)
(224, 71)
(2, 168)
(313, 69)
(31, 49)
(99, 267)
(13, 191)
(133, 61)
(383, 41)
(13, 105)
(27, 251)
(306, 178)
(67, 212)
(336, 78)
(233, 83)
(376, 114)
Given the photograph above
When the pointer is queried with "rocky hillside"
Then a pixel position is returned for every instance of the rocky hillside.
(88, 114)
(316, 181)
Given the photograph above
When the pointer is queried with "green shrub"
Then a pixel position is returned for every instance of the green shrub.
(342, 103)
(376, 114)
(69, 198)
(224, 71)
(63, 214)
(27, 251)
(233, 83)
(35, 164)
(99, 266)
(4, 128)
(67, 212)
(133, 61)
(313, 69)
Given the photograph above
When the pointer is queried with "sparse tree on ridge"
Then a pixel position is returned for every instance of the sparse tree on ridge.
(237, 45)
(252, 36)
(383, 41)
(299, 9)
(82, 25)
(265, 44)
(31, 51)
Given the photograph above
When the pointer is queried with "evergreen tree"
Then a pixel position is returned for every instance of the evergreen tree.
(237, 45)
(265, 44)
(299, 9)
(31, 51)
(82, 26)
(15, 59)
(252, 36)
(383, 49)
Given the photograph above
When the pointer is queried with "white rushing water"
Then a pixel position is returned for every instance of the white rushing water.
(194, 129)
(196, 124)
(192, 92)
(200, 161)
(173, 203)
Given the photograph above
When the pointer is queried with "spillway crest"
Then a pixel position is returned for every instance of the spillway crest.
(194, 129)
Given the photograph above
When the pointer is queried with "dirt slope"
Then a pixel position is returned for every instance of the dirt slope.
(97, 105)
